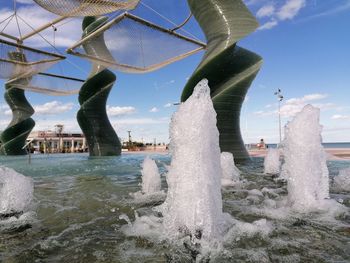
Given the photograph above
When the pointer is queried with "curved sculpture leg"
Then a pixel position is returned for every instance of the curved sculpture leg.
(92, 117)
(229, 69)
(13, 138)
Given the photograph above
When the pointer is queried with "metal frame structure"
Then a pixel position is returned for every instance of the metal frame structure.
(129, 68)
(53, 92)
(21, 49)
(84, 4)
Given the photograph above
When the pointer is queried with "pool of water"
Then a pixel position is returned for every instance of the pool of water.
(79, 201)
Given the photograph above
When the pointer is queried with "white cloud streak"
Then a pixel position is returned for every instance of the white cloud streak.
(120, 111)
(66, 35)
(52, 108)
(266, 11)
(287, 11)
(290, 9)
(295, 105)
(168, 105)
(154, 109)
(340, 117)
(268, 25)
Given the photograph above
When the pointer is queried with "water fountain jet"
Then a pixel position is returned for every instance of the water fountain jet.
(305, 165)
(272, 161)
(194, 202)
(150, 177)
(16, 191)
(230, 173)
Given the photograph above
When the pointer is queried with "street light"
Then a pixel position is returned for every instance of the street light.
(58, 130)
(130, 141)
(279, 95)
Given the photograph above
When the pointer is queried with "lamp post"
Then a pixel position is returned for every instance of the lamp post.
(59, 129)
(279, 95)
(130, 141)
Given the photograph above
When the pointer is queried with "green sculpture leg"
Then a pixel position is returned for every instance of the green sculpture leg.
(92, 117)
(13, 138)
(229, 69)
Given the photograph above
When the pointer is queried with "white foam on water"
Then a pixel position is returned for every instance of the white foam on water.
(305, 165)
(272, 161)
(16, 191)
(241, 229)
(230, 173)
(342, 180)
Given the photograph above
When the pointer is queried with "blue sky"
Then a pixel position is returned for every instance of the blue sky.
(304, 44)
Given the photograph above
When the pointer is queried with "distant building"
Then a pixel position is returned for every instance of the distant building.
(53, 142)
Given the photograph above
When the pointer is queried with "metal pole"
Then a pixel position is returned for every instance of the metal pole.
(57, 20)
(279, 119)
(29, 153)
(9, 36)
(279, 95)
(130, 141)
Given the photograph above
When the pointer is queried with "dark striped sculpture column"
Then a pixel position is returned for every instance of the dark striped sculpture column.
(92, 117)
(229, 69)
(13, 138)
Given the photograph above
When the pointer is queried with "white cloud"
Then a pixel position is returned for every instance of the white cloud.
(295, 105)
(69, 125)
(164, 84)
(140, 121)
(5, 110)
(168, 105)
(264, 113)
(36, 16)
(25, 2)
(252, 2)
(290, 9)
(52, 108)
(266, 10)
(306, 98)
(331, 11)
(120, 111)
(154, 109)
(340, 117)
(268, 25)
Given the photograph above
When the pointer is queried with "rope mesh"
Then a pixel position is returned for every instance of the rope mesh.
(17, 61)
(55, 85)
(131, 44)
(86, 7)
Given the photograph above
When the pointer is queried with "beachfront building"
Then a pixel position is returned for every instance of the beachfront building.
(53, 142)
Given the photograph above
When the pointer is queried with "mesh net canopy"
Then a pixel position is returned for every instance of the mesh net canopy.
(130, 44)
(86, 7)
(18, 61)
(49, 84)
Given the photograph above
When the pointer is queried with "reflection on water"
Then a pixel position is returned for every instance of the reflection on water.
(81, 203)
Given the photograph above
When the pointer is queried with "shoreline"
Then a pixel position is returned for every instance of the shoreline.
(332, 153)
